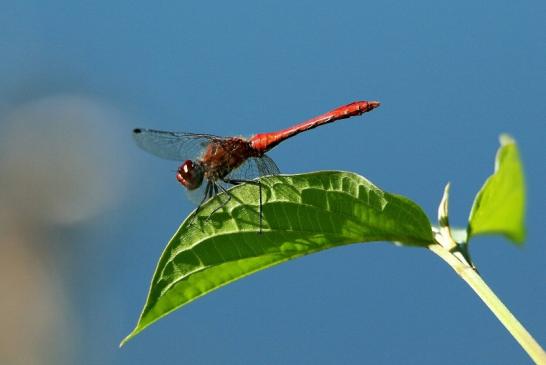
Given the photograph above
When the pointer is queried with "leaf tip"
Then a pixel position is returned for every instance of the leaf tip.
(443, 207)
(128, 337)
(124, 341)
(506, 139)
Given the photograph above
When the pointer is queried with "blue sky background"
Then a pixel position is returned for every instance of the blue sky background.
(451, 77)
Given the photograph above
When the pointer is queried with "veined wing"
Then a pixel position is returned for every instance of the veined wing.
(177, 146)
(255, 167)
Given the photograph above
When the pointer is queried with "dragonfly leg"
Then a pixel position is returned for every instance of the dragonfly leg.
(252, 182)
(223, 203)
(215, 188)
(208, 191)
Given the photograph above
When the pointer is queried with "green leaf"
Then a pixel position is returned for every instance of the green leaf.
(302, 214)
(499, 207)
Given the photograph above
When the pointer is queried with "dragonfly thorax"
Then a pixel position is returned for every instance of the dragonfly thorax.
(190, 174)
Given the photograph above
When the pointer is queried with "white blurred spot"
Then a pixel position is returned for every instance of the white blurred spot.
(61, 159)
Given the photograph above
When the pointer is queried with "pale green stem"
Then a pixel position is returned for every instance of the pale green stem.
(472, 278)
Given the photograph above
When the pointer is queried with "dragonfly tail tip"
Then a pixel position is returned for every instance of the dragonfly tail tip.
(373, 104)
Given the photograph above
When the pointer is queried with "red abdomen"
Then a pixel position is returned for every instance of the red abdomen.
(263, 142)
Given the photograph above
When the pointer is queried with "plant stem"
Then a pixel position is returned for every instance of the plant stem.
(474, 280)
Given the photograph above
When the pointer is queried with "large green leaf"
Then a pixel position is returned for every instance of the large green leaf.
(302, 214)
(499, 207)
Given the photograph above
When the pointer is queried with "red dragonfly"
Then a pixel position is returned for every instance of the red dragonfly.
(212, 163)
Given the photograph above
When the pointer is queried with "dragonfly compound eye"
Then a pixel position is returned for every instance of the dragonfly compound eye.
(190, 175)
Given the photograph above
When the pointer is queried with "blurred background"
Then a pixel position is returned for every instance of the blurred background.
(85, 214)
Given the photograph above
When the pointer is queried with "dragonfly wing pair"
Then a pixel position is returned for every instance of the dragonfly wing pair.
(180, 146)
(177, 146)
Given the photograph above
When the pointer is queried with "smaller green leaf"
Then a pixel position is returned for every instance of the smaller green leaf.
(499, 207)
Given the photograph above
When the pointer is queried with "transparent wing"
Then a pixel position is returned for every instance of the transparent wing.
(250, 169)
(267, 166)
(254, 167)
(201, 194)
(177, 146)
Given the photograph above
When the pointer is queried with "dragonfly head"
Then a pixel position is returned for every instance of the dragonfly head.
(190, 175)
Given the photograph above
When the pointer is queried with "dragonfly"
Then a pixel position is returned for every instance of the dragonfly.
(213, 163)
